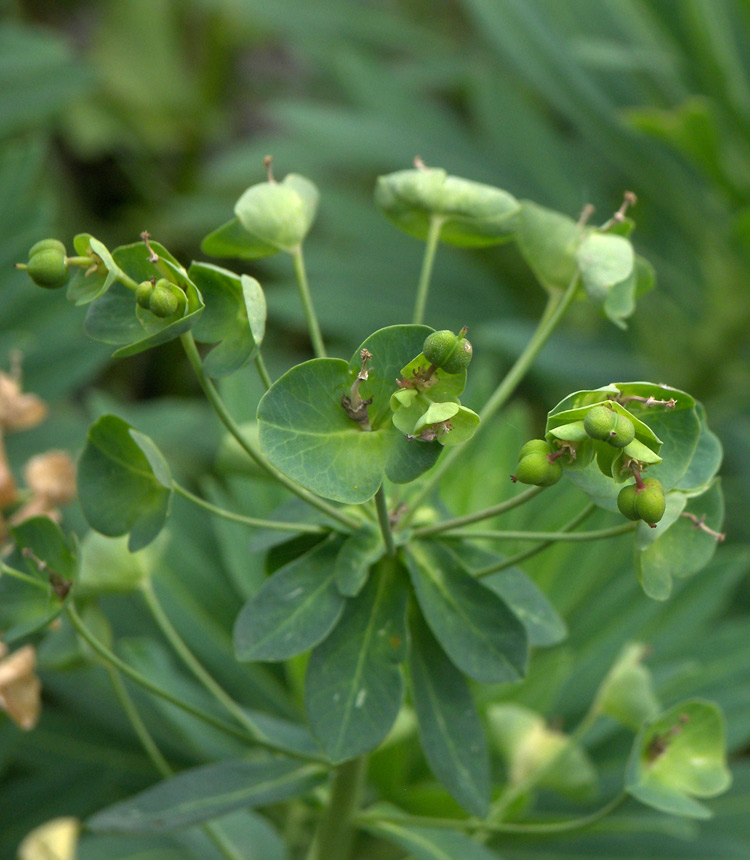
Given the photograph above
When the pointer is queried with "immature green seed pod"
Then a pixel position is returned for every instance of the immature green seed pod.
(448, 351)
(650, 501)
(600, 422)
(534, 446)
(438, 346)
(47, 266)
(536, 469)
(622, 433)
(143, 294)
(626, 500)
(162, 302)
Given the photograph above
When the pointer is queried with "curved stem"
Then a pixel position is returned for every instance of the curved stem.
(500, 508)
(157, 759)
(528, 553)
(547, 537)
(247, 446)
(134, 675)
(423, 287)
(557, 304)
(307, 306)
(193, 664)
(307, 528)
(23, 577)
(381, 506)
(260, 366)
(333, 838)
(139, 727)
(540, 829)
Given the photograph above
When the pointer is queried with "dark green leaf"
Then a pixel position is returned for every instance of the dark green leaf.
(45, 539)
(354, 686)
(451, 732)
(357, 555)
(293, 610)
(204, 793)
(474, 626)
(431, 843)
(119, 489)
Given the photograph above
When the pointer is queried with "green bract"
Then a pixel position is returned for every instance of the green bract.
(469, 214)
(269, 217)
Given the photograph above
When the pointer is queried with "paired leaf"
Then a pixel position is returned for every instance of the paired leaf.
(354, 685)
(450, 730)
(473, 625)
(84, 288)
(234, 317)
(306, 432)
(679, 756)
(116, 319)
(294, 610)
(204, 793)
(124, 483)
(627, 693)
(470, 214)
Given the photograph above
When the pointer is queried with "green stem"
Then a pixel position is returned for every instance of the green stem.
(190, 660)
(547, 537)
(260, 366)
(307, 528)
(134, 675)
(23, 577)
(557, 304)
(333, 838)
(541, 829)
(423, 287)
(126, 280)
(494, 511)
(307, 305)
(381, 506)
(139, 727)
(247, 446)
(528, 553)
(157, 759)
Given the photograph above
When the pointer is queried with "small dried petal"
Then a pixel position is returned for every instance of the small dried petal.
(20, 689)
(19, 411)
(52, 477)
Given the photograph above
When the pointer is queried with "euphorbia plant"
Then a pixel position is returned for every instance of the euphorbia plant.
(402, 608)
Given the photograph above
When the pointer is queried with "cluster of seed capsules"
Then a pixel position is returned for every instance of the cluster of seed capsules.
(539, 463)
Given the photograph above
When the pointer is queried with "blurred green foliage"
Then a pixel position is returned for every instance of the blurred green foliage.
(120, 116)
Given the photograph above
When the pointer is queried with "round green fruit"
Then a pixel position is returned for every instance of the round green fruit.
(622, 433)
(447, 351)
(536, 469)
(162, 302)
(47, 245)
(650, 502)
(626, 500)
(599, 423)
(48, 267)
(438, 346)
(534, 446)
(460, 358)
(143, 294)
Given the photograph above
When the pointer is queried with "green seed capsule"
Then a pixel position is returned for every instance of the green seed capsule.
(48, 268)
(460, 358)
(626, 500)
(47, 245)
(143, 294)
(622, 433)
(448, 351)
(651, 502)
(600, 422)
(536, 469)
(535, 446)
(162, 302)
